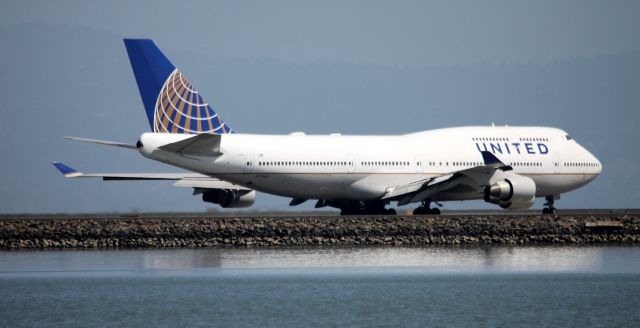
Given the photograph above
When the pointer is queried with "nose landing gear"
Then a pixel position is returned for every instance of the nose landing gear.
(550, 209)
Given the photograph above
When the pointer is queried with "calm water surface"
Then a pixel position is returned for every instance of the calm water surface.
(415, 287)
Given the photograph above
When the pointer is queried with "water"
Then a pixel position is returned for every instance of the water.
(380, 287)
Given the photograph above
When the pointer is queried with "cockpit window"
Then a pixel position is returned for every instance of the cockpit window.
(568, 137)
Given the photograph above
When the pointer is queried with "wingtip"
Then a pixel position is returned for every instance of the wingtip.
(489, 158)
(67, 171)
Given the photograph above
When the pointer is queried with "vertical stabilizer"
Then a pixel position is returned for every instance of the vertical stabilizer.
(172, 104)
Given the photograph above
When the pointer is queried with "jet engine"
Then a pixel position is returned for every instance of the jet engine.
(228, 198)
(515, 192)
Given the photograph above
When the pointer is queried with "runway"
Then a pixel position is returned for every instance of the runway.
(600, 213)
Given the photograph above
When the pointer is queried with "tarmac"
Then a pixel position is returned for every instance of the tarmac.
(601, 213)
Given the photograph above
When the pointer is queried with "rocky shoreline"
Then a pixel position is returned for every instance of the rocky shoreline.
(192, 232)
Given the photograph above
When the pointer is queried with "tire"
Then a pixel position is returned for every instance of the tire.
(346, 212)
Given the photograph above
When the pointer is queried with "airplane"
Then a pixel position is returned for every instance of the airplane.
(503, 165)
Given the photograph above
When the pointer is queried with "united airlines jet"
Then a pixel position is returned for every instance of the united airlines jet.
(506, 166)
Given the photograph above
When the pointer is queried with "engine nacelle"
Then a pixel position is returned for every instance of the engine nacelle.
(514, 192)
(228, 198)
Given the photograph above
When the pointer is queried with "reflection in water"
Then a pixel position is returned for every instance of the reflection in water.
(547, 259)
(318, 287)
(428, 259)
(159, 259)
(448, 259)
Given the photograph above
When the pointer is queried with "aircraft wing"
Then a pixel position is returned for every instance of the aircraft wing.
(473, 177)
(193, 180)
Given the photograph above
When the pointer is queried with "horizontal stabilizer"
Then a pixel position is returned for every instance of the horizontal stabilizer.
(199, 145)
(104, 142)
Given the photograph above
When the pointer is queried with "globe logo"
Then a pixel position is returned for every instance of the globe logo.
(181, 109)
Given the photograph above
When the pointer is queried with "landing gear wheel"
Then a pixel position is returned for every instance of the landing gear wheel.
(346, 212)
(550, 209)
(366, 208)
(419, 211)
(424, 210)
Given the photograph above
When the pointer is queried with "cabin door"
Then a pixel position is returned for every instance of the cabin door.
(418, 163)
(557, 164)
(249, 163)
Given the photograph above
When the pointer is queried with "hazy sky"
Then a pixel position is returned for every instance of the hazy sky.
(392, 33)
(360, 67)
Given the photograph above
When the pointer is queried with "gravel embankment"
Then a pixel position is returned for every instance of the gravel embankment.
(305, 231)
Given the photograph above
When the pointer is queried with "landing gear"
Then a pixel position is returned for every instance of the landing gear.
(549, 209)
(425, 208)
(366, 208)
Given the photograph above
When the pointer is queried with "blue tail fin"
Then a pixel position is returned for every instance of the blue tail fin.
(172, 103)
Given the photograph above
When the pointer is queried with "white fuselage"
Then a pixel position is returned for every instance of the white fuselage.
(364, 167)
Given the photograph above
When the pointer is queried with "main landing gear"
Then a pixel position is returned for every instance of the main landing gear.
(549, 209)
(425, 208)
(366, 208)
